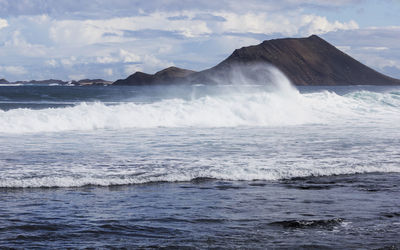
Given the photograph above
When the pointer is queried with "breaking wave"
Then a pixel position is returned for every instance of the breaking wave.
(78, 176)
(257, 95)
(263, 108)
(258, 100)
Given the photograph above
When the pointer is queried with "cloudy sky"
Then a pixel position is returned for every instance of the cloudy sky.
(75, 39)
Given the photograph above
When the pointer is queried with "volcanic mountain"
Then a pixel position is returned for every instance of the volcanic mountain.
(305, 61)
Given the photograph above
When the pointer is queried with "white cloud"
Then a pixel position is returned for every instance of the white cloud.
(153, 62)
(290, 24)
(68, 62)
(199, 35)
(13, 70)
(108, 71)
(367, 37)
(18, 45)
(76, 77)
(377, 61)
(344, 48)
(372, 48)
(313, 24)
(86, 32)
(51, 62)
(128, 57)
(104, 8)
(3, 23)
(328, 3)
(149, 64)
(120, 56)
(132, 68)
(376, 47)
(77, 38)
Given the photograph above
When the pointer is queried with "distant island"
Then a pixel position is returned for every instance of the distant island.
(82, 82)
(305, 61)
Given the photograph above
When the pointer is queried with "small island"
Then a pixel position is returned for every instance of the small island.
(305, 61)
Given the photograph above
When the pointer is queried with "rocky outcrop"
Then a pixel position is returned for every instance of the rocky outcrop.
(3, 81)
(49, 81)
(165, 76)
(92, 82)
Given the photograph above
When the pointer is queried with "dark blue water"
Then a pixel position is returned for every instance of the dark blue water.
(348, 211)
(199, 167)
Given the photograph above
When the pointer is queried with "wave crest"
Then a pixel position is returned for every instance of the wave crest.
(233, 109)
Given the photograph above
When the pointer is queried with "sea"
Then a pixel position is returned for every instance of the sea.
(226, 166)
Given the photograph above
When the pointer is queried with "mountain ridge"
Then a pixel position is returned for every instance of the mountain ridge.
(305, 61)
(167, 75)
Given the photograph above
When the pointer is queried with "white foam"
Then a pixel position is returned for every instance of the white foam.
(235, 109)
(223, 170)
(10, 84)
(278, 103)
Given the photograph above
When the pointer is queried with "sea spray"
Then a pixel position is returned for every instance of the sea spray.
(253, 130)
(255, 96)
(227, 110)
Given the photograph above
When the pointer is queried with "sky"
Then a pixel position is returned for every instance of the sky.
(77, 39)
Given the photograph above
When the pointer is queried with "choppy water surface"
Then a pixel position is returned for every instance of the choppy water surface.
(347, 211)
(199, 167)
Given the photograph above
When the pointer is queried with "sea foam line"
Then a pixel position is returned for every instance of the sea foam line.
(232, 174)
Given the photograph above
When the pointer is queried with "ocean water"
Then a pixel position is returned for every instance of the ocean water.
(225, 166)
